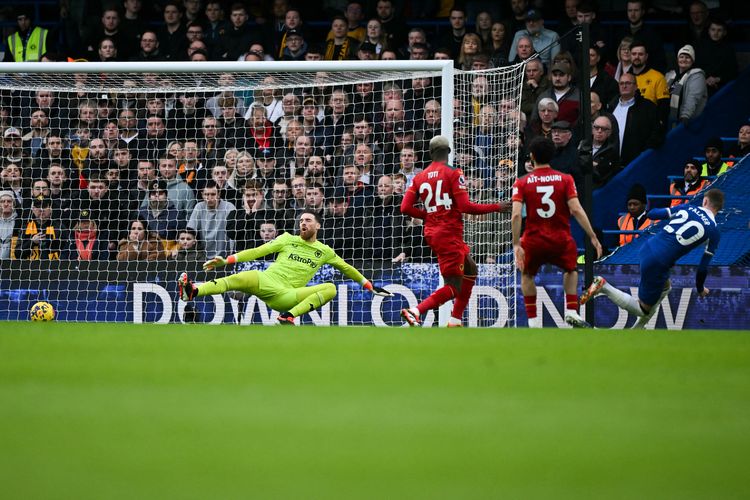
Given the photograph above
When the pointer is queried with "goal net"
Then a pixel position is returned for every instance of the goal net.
(120, 176)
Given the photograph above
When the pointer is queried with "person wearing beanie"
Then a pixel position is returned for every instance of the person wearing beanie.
(691, 184)
(714, 165)
(635, 219)
(688, 92)
(28, 43)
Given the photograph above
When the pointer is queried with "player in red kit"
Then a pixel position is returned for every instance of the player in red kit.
(442, 190)
(551, 198)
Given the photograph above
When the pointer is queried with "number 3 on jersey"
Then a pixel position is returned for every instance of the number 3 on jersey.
(441, 199)
(546, 192)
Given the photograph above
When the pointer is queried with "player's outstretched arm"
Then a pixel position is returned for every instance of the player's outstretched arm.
(577, 211)
(466, 206)
(273, 246)
(659, 213)
(354, 275)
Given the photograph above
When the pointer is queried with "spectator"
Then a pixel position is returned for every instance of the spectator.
(524, 50)
(189, 248)
(687, 88)
(604, 151)
(742, 147)
(651, 83)
(132, 23)
(624, 57)
(33, 141)
(635, 219)
(215, 26)
(714, 164)
(298, 192)
(717, 57)
(569, 19)
(261, 134)
(209, 220)
(12, 147)
(59, 190)
(374, 36)
(643, 33)
(498, 46)
(541, 123)
(566, 155)
(637, 121)
(281, 204)
(341, 47)
(193, 13)
(242, 224)
(146, 174)
(314, 52)
(353, 14)
(601, 82)
(566, 95)
(291, 24)
(193, 171)
(11, 179)
(160, 215)
(596, 106)
(154, 137)
(172, 36)
(453, 39)
(392, 26)
(28, 43)
(10, 225)
(88, 241)
(316, 172)
(106, 50)
(344, 232)
(185, 119)
(230, 121)
(243, 171)
(471, 46)
(535, 84)
(180, 194)
(388, 224)
(416, 36)
(696, 29)
(598, 36)
(518, 8)
(314, 198)
(140, 243)
(483, 27)
(149, 48)
(689, 185)
(42, 236)
(220, 175)
(545, 41)
(337, 119)
(295, 46)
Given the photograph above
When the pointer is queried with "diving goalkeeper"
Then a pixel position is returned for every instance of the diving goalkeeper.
(283, 286)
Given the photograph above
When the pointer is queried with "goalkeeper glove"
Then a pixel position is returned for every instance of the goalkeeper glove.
(219, 261)
(376, 290)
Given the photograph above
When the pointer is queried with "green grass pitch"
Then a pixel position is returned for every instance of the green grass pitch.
(121, 411)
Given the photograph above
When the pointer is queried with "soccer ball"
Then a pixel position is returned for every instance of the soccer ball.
(42, 311)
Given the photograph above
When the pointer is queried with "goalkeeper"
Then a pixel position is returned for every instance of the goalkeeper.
(283, 285)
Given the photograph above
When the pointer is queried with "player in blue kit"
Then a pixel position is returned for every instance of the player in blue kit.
(689, 226)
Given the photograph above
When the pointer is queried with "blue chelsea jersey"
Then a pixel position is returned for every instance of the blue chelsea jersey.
(689, 226)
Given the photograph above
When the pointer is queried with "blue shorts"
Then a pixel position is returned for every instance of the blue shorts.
(654, 276)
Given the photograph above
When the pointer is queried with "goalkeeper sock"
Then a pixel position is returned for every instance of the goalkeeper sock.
(459, 305)
(438, 298)
(529, 302)
(322, 295)
(623, 300)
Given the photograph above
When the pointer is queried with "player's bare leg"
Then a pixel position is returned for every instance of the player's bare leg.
(528, 288)
(641, 323)
(620, 298)
(464, 292)
(570, 285)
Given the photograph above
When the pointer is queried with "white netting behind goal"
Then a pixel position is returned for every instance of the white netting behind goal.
(121, 180)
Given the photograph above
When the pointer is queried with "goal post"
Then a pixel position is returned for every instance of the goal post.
(124, 174)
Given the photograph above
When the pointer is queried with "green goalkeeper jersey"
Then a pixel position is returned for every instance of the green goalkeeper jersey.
(297, 261)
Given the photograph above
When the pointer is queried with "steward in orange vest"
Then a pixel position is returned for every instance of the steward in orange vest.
(636, 218)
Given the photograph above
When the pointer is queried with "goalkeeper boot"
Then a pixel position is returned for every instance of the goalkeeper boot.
(575, 320)
(593, 290)
(286, 318)
(411, 316)
(186, 287)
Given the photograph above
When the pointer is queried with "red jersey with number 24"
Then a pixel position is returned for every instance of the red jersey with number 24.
(546, 192)
(442, 190)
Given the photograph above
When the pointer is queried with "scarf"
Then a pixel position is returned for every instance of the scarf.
(675, 92)
(85, 241)
(343, 52)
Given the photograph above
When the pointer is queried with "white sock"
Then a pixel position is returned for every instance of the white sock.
(454, 321)
(570, 311)
(623, 300)
(641, 323)
(535, 322)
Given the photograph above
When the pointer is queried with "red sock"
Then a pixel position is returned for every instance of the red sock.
(529, 301)
(437, 299)
(571, 302)
(459, 305)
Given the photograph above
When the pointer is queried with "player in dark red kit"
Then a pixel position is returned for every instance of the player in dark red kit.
(442, 190)
(551, 198)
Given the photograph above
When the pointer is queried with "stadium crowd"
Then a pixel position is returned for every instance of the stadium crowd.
(185, 175)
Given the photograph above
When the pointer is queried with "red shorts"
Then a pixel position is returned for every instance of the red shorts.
(451, 253)
(558, 252)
